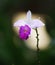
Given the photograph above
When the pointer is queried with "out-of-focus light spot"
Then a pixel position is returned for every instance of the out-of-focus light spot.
(44, 38)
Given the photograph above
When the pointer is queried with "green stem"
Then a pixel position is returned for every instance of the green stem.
(38, 61)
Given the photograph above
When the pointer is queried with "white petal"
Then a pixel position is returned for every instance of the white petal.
(36, 23)
(29, 15)
(20, 23)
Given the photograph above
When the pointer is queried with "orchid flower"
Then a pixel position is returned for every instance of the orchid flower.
(27, 24)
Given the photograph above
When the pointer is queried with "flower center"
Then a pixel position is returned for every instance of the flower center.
(25, 30)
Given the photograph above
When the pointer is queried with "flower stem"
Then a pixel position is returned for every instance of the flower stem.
(38, 61)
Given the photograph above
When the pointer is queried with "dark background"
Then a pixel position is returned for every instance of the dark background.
(20, 54)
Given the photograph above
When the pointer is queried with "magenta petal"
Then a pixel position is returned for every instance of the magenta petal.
(28, 29)
(24, 32)
(23, 36)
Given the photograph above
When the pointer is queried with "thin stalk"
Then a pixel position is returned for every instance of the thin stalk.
(38, 61)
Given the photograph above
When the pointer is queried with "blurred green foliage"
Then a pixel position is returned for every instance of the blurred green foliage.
(16, 52)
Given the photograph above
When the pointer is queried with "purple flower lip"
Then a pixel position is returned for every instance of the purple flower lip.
(24, 32)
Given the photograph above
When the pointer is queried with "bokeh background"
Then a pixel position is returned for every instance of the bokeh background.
(13, 50)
